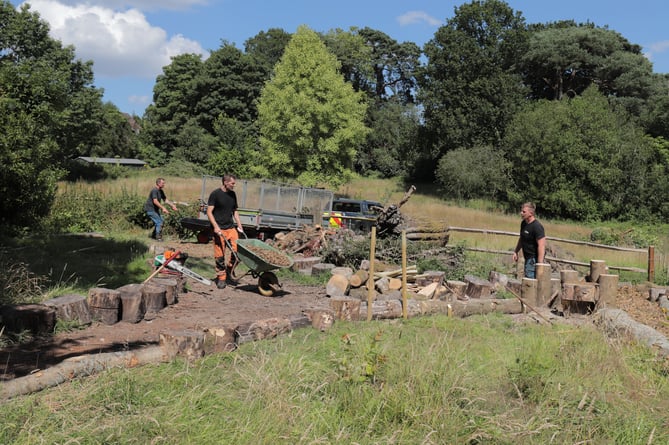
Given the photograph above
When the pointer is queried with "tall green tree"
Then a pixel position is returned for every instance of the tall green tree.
(49, 113)
(175, 96)
(579, 159)
(311, 120)
(470, 88)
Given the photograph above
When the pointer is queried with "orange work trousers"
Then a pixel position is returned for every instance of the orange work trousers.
(221, 263)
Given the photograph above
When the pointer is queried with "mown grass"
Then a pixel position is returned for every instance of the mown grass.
(430, 380)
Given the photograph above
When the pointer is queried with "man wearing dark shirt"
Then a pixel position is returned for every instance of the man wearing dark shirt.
(532, 240)
(225, 222)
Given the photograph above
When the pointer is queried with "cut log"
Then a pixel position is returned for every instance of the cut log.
(529, 289)
(132, 303)
(382, 310)
(459, 288)
(104, 304)
(187, 343)
(320, 319)
(429, 290)
(359, 278)
(382, 285)
(485, 306)
(220, 339)
(74, 367)
(171, 289)
(154, 299)
(71, 307)
(35, 318)
(347, 309)
(615, 322)
(428, 277)
(394, 284)
(261, 330)
(337, 286)
(580, 292)
(477, 287)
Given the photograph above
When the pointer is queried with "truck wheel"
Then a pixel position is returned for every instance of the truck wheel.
(267, 284)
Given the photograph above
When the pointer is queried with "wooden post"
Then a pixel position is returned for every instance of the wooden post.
(597, 267)
(608, 289)
(370, 283)
(543, 274)
(651, 263)
(529, 289)
(404, 274)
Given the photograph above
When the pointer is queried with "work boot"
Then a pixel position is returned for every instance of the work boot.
(220, 283)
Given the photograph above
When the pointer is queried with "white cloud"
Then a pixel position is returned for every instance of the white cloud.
(656, 48)
(121, 44)
(415, 17)
(143, 5)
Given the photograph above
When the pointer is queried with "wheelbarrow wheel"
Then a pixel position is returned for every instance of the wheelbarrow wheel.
(267, 284)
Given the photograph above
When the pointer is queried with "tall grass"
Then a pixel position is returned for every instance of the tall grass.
(429, 380)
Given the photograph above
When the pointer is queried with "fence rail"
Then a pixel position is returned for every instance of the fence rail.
(649, 271)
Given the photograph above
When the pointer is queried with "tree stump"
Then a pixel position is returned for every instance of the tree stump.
(459, 288)
(104, 304)
(71, 307)
(36, 318)
(478, 287)
(171, 289)
(154, 299)
(347, 309)
(579, 297)
(186, 343)
(132, 303)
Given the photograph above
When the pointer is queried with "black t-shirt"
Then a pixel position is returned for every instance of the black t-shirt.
(158, 194)
(224, 204)
(529, 234)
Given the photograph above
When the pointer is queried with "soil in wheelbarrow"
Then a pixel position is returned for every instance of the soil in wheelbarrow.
(199, 308)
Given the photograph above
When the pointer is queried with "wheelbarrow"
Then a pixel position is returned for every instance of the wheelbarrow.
(261, 259)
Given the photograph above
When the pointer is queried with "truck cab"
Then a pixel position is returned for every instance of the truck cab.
(359, 215)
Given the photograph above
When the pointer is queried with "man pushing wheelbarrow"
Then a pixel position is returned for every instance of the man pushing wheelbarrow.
(226, 225)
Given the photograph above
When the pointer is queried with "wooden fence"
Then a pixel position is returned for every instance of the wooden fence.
(649, 270)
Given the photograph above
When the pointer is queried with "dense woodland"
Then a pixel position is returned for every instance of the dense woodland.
(567, 114)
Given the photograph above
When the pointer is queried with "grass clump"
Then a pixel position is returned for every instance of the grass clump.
(434, 380)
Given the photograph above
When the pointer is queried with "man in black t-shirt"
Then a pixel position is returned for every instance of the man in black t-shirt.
(153, 206)
(225, 222)
(532, 240)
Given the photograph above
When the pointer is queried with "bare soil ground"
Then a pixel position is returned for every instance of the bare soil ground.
(208, 307)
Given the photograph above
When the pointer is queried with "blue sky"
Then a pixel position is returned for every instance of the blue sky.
(130, 41)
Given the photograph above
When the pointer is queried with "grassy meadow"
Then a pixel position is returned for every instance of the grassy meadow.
(432, 380)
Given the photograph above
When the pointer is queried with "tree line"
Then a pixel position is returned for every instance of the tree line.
(567, 114)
